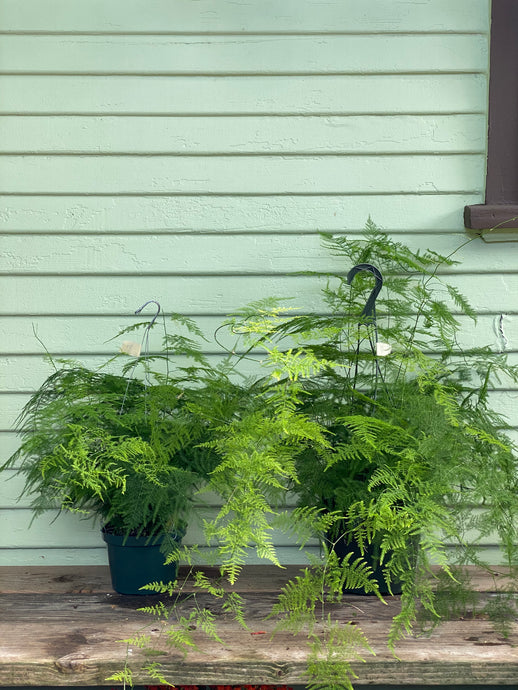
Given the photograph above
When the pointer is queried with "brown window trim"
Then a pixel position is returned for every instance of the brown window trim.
(502, 155)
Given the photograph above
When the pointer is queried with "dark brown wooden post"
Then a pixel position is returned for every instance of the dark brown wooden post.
(502, 158)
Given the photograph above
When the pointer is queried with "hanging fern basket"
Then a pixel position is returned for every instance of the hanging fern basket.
(137, 561)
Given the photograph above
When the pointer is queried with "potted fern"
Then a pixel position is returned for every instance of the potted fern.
(127, 450)
(380, 426)
(408, 463)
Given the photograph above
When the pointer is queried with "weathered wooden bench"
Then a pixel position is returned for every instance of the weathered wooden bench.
(63, 625)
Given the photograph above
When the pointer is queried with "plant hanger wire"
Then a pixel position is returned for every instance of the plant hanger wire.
(368, 318)
(144, 345)
(145, 337)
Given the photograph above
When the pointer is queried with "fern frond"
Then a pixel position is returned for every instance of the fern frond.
(306, 521)
(139, 640)
(461, 302)
(234, 604)
(125, 677)
(351, 574)
(297, 601)
(158, 610)
(154, 672)
(206, 620)
(180, 638)
(203, 582)
(331, 656)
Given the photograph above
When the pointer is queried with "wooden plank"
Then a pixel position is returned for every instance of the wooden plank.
(67, 531)
(149, 55)
(64, 580)
(23, 557)
(502, 166)
(9, 442)
(87, 556)
(241, 174)
(181, 254)
(11, 486)
(227, 214)
(488, 216)
(70, 531)
(209, 135)
(213, 16)
(55, 579)
(84, 336)
(216, 254)
(116, 295)
(69, 579)
(184, 255)
(78, 336)
(97, 556)
(65, 637)
(206, 295)
(333, 95)
(26, 373)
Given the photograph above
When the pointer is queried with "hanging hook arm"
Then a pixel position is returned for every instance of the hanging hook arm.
(155, 317)
(369, 310)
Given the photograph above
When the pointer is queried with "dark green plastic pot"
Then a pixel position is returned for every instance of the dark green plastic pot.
(371, 556)
(137, 561)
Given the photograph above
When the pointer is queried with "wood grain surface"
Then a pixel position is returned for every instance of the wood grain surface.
(64, 626)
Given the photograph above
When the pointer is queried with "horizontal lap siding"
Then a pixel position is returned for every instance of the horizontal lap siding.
(191, 152)
(89, 336)
(243, 95)
(260, 135)
(250, 214)
(194, 175)
(199, 294)
(294, 55)
(216, 254)
(242, 17)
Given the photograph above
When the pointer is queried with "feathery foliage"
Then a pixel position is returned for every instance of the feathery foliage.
(403, 440)
(378, 423)
(125, 449)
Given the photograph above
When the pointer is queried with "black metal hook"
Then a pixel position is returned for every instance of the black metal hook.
(155, 317)
(369, 310)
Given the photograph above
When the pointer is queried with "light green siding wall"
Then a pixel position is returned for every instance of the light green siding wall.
(190, 151)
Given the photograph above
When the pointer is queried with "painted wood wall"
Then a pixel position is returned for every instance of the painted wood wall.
(190, 151)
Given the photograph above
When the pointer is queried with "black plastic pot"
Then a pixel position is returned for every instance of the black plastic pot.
(137, 561)
(371, 556)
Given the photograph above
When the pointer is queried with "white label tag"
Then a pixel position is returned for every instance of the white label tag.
(383, 349)
(128, 347)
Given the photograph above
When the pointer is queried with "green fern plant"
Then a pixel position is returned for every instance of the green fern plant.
(398, 448)
(397, 455)
(127, 448)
